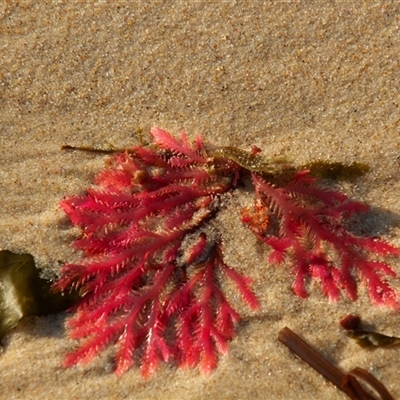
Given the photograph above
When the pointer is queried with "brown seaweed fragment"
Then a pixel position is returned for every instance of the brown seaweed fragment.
(345, 382)
(255, 162)
(366, 338)
(23, 292)
(336, 170)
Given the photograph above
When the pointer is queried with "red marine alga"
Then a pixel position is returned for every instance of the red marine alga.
(150, 277)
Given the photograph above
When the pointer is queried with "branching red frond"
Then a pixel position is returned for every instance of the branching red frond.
(168, 142)
(150, 277)
(135, 291)
(312, 235)
(206, 326)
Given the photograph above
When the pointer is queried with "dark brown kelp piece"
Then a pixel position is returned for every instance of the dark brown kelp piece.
(370, 379)
(345, 382)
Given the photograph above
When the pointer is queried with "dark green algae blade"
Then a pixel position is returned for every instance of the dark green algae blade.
(373, 339)
(23, 292)
(337, 170)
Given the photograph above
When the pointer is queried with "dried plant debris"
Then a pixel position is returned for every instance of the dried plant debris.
(23, 292)
(366, 338)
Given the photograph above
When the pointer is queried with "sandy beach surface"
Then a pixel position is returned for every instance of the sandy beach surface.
(307, 80)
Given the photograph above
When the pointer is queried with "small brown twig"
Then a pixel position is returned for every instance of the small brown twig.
(91, 149)
(345, 382)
